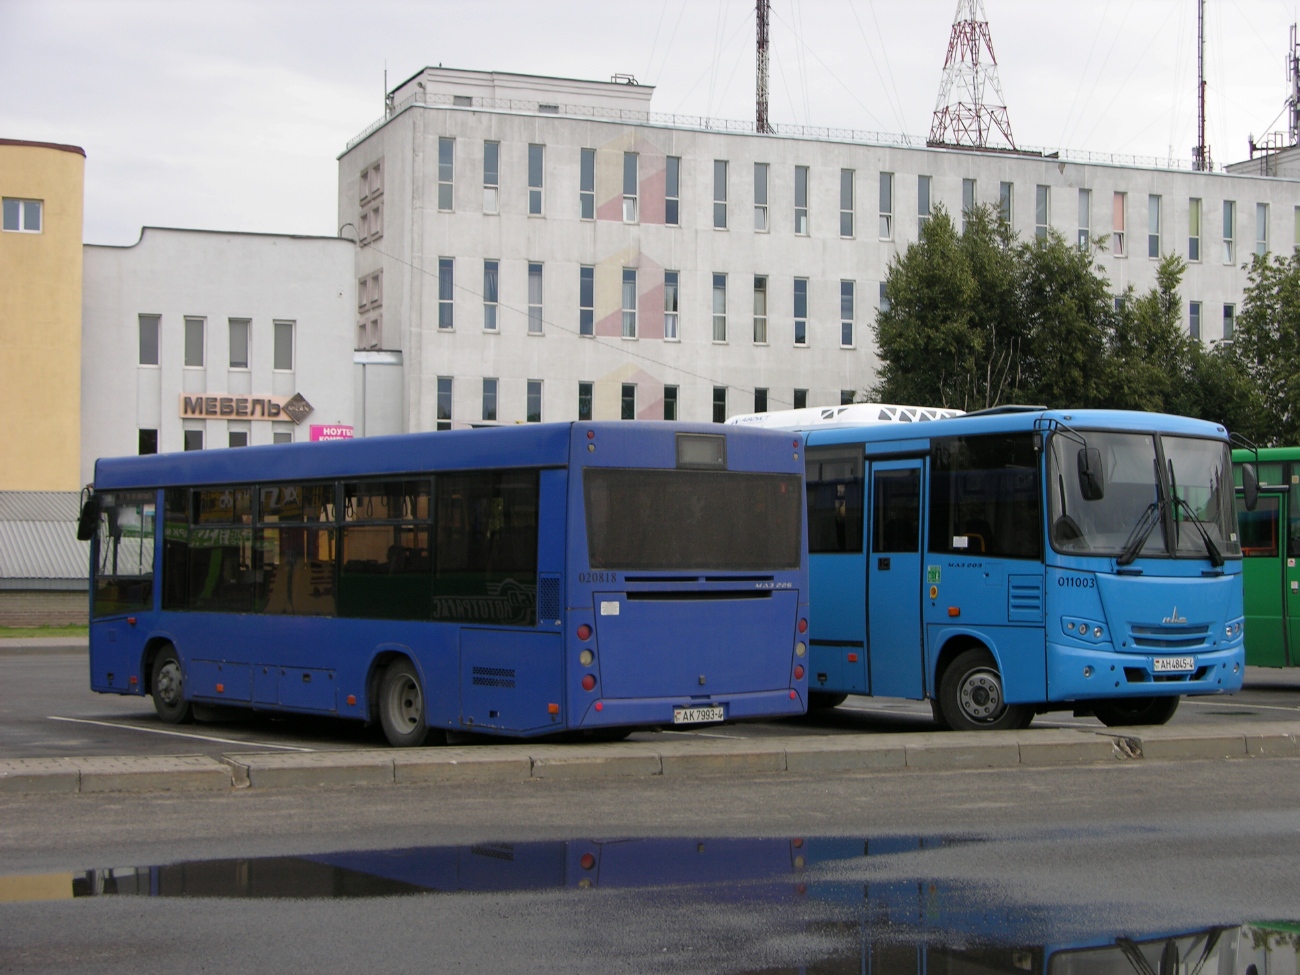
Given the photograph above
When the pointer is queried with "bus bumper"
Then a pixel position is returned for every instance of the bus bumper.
(1089, 673)
(619, 712)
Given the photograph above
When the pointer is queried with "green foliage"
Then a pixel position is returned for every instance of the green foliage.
(1266, 349)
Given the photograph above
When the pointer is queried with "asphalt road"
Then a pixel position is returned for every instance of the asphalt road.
(47, 709)
(714, 874)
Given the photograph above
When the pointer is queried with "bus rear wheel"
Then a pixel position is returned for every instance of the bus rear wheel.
(401, 707)
(971, 697)
(167, 686)
(1136, 711)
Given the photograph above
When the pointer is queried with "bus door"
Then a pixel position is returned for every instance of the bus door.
(1289, 528)
(1269, 595)
(894, 646)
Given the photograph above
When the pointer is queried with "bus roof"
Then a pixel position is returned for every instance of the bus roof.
(851, 415)
(521, 445)
(1240, 454)
(1011, 421)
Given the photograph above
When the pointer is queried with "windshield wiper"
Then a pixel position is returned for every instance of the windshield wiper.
(1141, 532)
(1216, 557)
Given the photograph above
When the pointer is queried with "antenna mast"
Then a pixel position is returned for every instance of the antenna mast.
(761, 124)
(964, 114)
(1201, 153)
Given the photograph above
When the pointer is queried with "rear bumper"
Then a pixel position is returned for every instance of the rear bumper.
(1119, 675)
(621, 712)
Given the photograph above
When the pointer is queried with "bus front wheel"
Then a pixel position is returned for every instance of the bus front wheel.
(168, 688)
(1136, 711)
(971, 697)
(401, 706)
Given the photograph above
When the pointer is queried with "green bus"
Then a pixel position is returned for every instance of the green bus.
(1270, 548)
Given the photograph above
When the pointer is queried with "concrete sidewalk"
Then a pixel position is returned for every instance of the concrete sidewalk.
(15, 646)
(923, 751)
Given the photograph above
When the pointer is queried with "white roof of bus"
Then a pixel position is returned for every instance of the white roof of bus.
(853, 415)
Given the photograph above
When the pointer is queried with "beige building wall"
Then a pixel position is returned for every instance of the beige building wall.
(40, 319)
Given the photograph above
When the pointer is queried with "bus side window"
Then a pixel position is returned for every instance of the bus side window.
(835, 498)
(984, 497)
(1259, 528)
(124, 567)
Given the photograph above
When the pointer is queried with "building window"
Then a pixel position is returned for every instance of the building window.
(534, 299)
(886, 206)
(446, 169)
(846, 203)
(967, 201)
(536, 156)
(586, 300)
(760, 197)
(370, 297)
(719, 308)
(629, 303)
(149, 325)
(627, 405)
(1229, 231)
(236, 438)
(1042, 203)
(1229, 319)
(446, 283)
(1296, 217)
(283, 351)
(584, 401)
(1194, 319)
(371, 182)
(846, 397)
(1153, 225)
(800, 311)
(801, 200)
(1085, 219)
(282, 435)
(922, 202)
(194, 328)
(489, 399)
(372, 224)
(719, 194)
(22, 216)
(846, 314)
(883, 302)
(670, 402)
(1006, 201)
(491, 177)
(1261, 229)
(672, 191)
(148, 442)
(1193, 229)
(631, 184)
(587, 185)
(800, 399)
(534, 401)
(760, 400)
(491, 296)
(193, 439)
(671, 332)
(444, 403)
(239, 343)
(719, 404)
(760, 309)
(1117, 225)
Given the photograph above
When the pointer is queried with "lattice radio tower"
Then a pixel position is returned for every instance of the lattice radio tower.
(763, 14)
(970, 111)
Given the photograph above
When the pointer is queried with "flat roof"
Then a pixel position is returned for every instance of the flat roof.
(61, 147)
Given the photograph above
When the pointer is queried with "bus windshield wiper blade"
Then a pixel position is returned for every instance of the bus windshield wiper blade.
(1140, 533)
(1216, 557)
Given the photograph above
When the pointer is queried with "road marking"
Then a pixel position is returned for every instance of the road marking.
(180, 734)
(1248, 707)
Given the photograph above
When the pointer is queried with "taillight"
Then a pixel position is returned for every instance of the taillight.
(803, 626)
(798, 673)
(584, 632)
(587, 861)
(588, 683)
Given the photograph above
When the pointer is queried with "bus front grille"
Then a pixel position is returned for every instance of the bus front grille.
(1169, 637)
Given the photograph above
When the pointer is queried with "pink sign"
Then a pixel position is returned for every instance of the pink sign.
(320, 431)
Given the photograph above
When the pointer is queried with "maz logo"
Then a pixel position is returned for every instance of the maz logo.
(1174, 617)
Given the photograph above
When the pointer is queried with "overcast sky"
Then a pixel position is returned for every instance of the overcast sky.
(230, 115)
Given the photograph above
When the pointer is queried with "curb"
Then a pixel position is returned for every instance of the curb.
(924, 751)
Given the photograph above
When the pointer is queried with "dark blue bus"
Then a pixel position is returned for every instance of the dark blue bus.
(516, 581)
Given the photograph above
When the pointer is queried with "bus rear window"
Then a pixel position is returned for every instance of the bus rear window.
(984, 497)
(642, 520)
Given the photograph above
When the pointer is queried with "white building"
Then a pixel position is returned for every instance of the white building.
(548, 249)
(198, 339)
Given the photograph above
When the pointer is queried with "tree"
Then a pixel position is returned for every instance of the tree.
(1151, 355)
(1265, 347)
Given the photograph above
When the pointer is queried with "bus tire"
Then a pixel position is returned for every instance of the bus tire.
(1136, 710)
(971, 697)
(402, 711)
(821, 701)
(167, 687)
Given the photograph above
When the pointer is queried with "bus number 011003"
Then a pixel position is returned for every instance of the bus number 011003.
(1077, 582)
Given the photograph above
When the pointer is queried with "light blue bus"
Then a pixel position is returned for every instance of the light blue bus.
(588, 577)
(1020, 560)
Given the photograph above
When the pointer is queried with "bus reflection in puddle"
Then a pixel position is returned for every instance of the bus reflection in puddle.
(889, 927)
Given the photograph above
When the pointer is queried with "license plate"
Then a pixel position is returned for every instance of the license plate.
(696, 715)
(1167, 665)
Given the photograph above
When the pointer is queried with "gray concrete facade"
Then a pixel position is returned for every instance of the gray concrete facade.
(420, 188)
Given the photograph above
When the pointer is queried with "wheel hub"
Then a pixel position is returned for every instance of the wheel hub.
(981, 696)
(169, 683)
(407, 705)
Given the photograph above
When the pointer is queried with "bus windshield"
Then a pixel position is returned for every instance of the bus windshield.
(1131, 495)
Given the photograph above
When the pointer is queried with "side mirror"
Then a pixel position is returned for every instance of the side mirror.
(1092, 480)
(88, 520)
(1250, 486)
